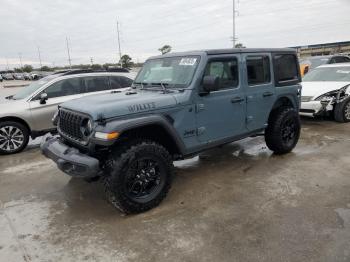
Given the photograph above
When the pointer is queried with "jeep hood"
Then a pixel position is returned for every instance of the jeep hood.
(119, 104)
(316, 89)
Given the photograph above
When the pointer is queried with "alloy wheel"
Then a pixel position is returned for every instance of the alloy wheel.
(11, 138)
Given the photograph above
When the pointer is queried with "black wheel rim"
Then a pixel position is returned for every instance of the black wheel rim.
(289, 131)
(144, 179)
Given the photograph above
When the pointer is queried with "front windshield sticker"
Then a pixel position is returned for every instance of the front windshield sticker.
(343, 72)
(188, 61)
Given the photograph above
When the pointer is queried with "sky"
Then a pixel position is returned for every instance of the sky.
(146, 25)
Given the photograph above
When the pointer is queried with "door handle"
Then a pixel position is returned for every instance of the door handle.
(237, 99)
(266, 94)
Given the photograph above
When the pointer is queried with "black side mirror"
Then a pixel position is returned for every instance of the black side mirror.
(211, 83)
(43, 98)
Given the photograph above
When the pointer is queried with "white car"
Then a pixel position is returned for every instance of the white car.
(29, 113)
(326, 90)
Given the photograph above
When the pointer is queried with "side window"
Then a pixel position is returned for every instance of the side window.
(258, 70)
(120, 82)
(226, 70)
(286, 69)
(66, 87)
(126, 82)
(115, 82)
(341, 59)
(96, 83)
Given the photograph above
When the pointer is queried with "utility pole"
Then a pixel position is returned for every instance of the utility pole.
(69, 59)
(92, 61)
(7, 63)
(234, 25)
(120, 52)
(39, 57)
(20, 59)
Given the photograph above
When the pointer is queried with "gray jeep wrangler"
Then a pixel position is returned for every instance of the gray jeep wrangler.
(179, 105)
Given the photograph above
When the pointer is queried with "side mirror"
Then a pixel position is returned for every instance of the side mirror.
(211, 83)
(43, 98)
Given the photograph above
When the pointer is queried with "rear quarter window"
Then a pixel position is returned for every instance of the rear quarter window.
(286, 69)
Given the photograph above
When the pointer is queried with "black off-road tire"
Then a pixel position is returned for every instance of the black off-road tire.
(341, 111)
(23, 129)
(118, 168)
(275, 133)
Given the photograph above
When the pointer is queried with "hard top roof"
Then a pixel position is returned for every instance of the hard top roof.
(228, 51)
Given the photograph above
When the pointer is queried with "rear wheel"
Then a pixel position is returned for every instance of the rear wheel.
(342, 111)
(283, 131)
(138, 176)
(14, 137)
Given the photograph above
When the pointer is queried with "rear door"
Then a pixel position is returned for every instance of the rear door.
(57, 93)
(259, 89)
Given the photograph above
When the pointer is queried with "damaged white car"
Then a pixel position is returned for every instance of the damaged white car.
(326, 91)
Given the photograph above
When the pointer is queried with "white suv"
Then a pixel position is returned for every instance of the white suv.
(29, 113)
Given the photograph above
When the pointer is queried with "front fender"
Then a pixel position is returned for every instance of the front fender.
(123, 125)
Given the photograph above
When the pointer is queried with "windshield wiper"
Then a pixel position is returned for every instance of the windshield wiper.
(141, 84)
(163, 85)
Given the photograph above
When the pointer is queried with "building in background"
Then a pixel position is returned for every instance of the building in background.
(323, 49)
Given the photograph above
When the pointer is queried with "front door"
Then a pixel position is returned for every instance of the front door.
(57, 93)
(260, 90)
(221, 113)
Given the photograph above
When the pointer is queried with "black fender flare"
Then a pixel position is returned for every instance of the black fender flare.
(123, 125)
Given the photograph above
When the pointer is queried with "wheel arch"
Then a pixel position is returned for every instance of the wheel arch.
(16, 119)
(158, 128)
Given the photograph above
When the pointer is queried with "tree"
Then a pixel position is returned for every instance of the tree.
(165, 49)
(45, 68)
(125, 61)
(239, 45)
(27, 68)
(96, 66)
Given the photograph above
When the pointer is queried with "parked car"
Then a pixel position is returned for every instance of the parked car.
(18, 76)
(1, 79)
(8, 76)
(310, 63)
(30, 111)
(26, 76)
(326, 90)
(181, 105)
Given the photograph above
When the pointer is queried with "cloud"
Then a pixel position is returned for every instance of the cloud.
(147, 25)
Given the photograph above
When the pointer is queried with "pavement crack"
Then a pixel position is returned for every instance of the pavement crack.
(25, 255)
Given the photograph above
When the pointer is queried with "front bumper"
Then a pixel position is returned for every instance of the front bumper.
(314, 108)
(69, 159)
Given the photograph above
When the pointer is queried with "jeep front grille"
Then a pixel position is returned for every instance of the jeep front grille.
(70, 124)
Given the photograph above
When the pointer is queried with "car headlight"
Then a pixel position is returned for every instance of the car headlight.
(328, 96)
(87, 127)
(55, 118)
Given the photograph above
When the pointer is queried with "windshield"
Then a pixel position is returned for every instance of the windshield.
(170, 72)
(28, 90)
(341, 74)
(315, 62)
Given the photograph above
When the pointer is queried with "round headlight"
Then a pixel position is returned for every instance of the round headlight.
(87, 127)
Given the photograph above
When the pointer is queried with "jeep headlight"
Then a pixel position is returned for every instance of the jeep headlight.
(87, 127)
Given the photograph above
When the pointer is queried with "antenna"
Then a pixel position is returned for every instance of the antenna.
(120, 52)
(69, 59)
